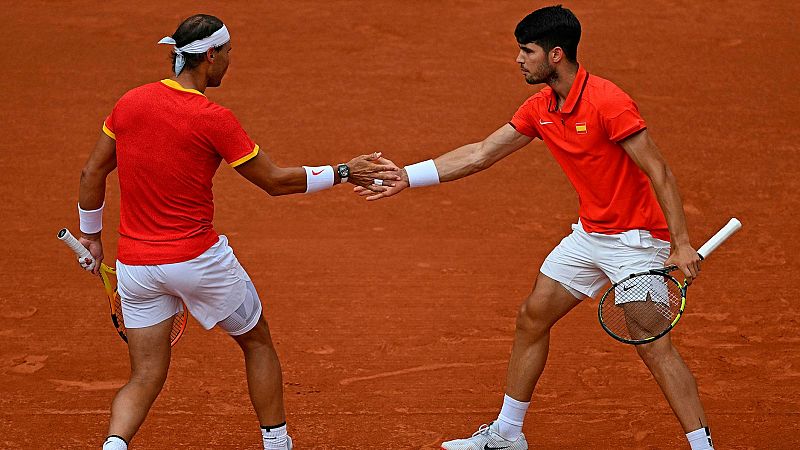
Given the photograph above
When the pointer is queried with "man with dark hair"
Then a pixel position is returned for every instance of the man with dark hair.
(595, 132)
(167, 140)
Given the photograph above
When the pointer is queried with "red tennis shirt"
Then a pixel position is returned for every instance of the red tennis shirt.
(170, 142)
(614, 193)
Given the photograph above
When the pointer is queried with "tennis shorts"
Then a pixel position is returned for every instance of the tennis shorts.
(585, 262)
(214, 287)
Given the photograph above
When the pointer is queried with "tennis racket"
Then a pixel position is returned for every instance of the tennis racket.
(109, 278)
(644, 306)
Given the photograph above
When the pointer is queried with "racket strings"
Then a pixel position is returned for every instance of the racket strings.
(642, 307)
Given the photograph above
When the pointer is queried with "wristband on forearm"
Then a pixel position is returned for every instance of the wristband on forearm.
(318, 178)
(422, 174)
(91, 221)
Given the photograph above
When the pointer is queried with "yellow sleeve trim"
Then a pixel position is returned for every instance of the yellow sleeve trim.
(244, 159)
(109, 132)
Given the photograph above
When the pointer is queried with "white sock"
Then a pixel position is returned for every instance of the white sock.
(115, 442)
(274, 437)
(509, 422)
(700, 439)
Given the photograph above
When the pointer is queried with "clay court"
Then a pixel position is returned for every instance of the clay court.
(404, 342)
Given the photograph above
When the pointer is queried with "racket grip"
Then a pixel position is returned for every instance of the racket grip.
(66, 237)
(727, 231)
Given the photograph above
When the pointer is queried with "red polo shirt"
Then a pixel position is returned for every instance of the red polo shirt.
(170, 142)
(614, 193)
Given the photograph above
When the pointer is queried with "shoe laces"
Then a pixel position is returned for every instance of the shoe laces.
(482, 430)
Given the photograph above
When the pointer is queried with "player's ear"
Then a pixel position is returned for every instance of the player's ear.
(210, 54)
(556, 54)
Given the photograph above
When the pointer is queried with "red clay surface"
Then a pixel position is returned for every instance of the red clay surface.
(394, 320)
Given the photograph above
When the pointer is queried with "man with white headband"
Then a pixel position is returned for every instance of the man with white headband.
(167, 140)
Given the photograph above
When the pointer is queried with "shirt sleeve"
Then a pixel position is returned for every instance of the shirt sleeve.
(229, 138)
(621, 117)
(108, 126)
(523, 120)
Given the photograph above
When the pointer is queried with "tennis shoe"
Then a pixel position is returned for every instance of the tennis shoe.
(486, 438)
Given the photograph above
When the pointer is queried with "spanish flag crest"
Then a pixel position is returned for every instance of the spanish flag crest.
(580, 128)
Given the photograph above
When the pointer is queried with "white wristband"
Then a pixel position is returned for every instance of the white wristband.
(318, 178)
(422, 174)
(91, 222)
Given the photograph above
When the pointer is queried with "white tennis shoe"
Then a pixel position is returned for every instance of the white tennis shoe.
(486, 438)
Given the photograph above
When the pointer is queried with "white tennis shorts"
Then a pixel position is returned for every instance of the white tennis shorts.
(585, 262)
(213, 286)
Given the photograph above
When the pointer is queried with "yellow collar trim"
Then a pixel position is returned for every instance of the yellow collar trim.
(177, 86)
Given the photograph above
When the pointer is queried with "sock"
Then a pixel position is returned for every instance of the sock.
(274, 436)
(115, 442)
(509, 422)
(700, 439)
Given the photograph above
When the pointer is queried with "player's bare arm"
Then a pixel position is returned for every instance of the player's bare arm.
(459, 163)
(647, 156)
(102, 161)
(363, 171)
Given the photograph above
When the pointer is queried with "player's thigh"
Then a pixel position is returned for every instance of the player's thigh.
(548, 302)
(246, 317)
(572, 264)
(149, 350)
(213, 285)
(145, 301)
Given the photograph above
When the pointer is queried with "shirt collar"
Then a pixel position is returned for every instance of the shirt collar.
(177, 86)
(575, 93)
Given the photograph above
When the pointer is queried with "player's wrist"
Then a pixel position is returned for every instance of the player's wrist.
(91, 236)
(679, 243)
(319, 178)
(421, 174)
(91, 220)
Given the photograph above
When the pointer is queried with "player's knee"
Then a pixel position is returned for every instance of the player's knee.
(257, 337)
(655, 351)
(530, 318)
(153, 377)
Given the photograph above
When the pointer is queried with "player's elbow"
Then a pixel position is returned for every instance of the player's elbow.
(90, 176)
(660, 174)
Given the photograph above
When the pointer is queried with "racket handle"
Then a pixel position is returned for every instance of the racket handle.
(727, 231)
(80, 251)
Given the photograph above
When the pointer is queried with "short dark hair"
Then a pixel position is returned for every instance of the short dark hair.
(550, 27)
(192, 29)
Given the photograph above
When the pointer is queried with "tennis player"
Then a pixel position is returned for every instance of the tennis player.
(595, 132)
(167, 140)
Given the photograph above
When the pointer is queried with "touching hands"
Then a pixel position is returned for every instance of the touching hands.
(369, 172)
(376, 191)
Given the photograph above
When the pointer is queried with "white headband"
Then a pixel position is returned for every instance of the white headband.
(219, 38)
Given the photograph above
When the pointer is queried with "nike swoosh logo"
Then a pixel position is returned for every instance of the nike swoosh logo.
(625, 288)
(486, 447)
(317, 173)
(541, 122)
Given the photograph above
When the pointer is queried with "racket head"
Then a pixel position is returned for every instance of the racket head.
(109, 277)
(642, 307)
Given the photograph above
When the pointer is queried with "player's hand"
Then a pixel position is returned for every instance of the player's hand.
(378, 192)
(92, 243)
(366, 169)
(688, 261)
